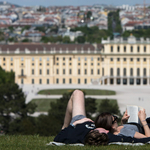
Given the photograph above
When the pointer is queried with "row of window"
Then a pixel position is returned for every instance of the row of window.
(125, 72)
(131, 49)
(124, 59)
(85, 58)
(57, 81)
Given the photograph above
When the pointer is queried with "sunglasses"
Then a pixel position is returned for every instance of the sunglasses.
(115, 119)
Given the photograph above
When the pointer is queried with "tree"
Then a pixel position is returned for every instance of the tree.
(66, 39)
(12, 101)
(109, 106)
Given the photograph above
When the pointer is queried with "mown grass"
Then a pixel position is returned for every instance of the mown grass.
(43, 105)
(20, 142)
(87, 91)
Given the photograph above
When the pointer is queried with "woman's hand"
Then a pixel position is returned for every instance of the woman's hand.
(82, 121)
(142, 115)
(125, 118)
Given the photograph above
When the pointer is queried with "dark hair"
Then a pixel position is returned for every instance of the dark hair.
(95, 138)
(104, 120)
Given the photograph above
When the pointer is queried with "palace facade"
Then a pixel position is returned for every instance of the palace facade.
(114, 62)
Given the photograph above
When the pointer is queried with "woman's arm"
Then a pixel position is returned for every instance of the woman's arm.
(142, 117)
(125, 118)
(82, 121)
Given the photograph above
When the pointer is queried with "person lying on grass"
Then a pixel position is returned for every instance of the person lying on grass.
(77, 128)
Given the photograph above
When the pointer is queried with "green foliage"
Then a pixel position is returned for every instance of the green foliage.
(113, 17)
(66, 39)
(80, 39)
(42, 29)
(93, 34)
(137, 33)
(26, 40)
(25, 28)
(11, 28)
(109, 106)
(89, 14)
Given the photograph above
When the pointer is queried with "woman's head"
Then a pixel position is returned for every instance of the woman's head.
(95, 138)
(104, 120)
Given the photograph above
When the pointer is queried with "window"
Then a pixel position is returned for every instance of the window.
(64, 81)
(111, 48)
(63, 64)
(144, 71)
(32, 71)
(131, 59)
(70, 58)
(40, 81)
(22, 72)
(3, 64)
(124, 71)
(40, 71)
(22, 81)
(57, 71)
(78, 71)
(22, 59)
(85, 64)
(32, 64)
(85, 59)
(40, 64)
(11, 59)
(144, 48)
(103, 71)
(4, 59)
(131, 71)
(78, 64)
(63, 71)
(21, 64)
(118, 59)
(138, 59)
(98, 71)
(32, 58)
(91, 58)
(138, 71)
(124, 59)
(111, 71)
(47, 64)
(11, 64)
(144, 59)
(57, 58)
(138, 49)
(57, 81)
(47, 81)
(111, 59)
(131, 48)
(98, 64)
(70, 64)
(70, 71)
(78, 81)
(98, 59)
(102, 59)
(70, 81)
(47, 71)
(85, 71)
(124, 48)
(47, 58)
(91, 71)
(40, 59)
(85, 81)
(32, 81)
(91, 64)
(78, 58)
(63, 58)
(118, 49)
(118, 71)
(57, 64)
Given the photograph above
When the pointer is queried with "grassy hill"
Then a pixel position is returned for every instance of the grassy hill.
(35, 142)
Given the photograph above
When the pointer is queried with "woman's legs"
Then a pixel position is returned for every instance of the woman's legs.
(76, 106)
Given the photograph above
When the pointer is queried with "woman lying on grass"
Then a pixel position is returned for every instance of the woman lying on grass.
(79, 129)
(109, 122)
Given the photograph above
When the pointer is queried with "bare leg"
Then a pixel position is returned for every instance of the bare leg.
(75, 107)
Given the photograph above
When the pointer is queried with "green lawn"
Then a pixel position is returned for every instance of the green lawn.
(43, 105)
(19, 142)
(87, 91)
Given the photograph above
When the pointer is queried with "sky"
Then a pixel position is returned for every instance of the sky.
(75, 2)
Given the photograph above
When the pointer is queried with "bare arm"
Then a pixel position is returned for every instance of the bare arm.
(142, 117)
(125, 118)
(82, 121)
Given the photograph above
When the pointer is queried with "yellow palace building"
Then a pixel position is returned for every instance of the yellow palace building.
(114, 62)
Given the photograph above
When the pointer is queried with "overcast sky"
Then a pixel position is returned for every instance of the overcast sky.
(75, 2)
